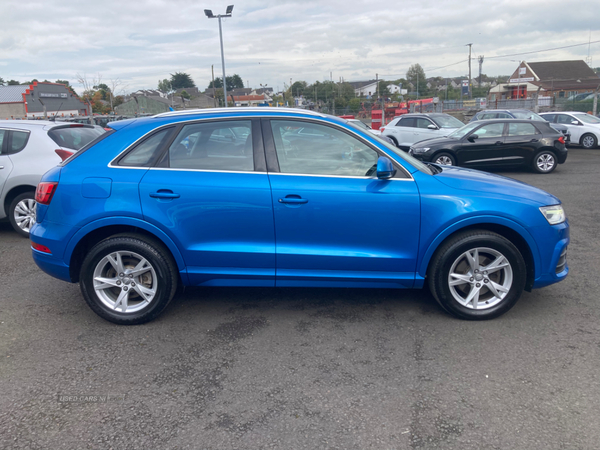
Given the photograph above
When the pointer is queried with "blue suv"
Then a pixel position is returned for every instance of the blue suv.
(278, 197)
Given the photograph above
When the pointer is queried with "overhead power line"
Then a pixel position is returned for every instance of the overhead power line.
(544, 50)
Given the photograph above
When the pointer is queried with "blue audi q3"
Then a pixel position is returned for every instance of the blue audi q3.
(282, 197)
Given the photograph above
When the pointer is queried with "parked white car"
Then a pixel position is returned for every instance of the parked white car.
(584, 128)
(408, 129)
(28, 149)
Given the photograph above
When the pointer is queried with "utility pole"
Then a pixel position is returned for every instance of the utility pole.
(212, 68)
(480, 65)
(470, 93)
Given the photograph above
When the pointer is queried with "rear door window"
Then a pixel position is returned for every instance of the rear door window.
(218, 146)
(2, 134)
(74, 137)
(407, 122)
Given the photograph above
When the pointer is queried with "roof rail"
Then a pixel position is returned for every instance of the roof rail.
(241, 110)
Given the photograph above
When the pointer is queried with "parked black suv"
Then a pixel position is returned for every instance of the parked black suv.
(497, 143)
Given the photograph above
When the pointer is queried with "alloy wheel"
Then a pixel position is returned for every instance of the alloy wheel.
(444, 161)
(24, 214)
(480, 278)
(545, 162)
(125, 281)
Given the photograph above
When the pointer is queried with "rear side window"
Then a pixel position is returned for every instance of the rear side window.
(18, 141)
(521, 129)
(147, 152)
(549, 117)
(74, 137)
(407, 122)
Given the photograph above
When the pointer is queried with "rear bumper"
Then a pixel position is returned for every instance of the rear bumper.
(51, 265)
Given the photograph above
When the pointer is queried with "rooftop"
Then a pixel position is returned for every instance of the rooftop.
(12, 94)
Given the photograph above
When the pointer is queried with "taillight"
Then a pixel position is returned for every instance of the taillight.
(45, 191)
(40, 248)
(561, 140)
(64, 154)
(382, 129)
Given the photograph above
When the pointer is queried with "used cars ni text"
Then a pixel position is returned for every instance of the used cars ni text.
(165, 201)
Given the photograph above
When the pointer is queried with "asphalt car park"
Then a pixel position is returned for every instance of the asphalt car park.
(309, 368)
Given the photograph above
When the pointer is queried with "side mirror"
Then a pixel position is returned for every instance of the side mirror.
(432, 127)
(575, 122)
(472, 138)
(385, 168)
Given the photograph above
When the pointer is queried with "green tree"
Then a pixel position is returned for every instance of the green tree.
(180, 80)
(65, 82)
(416, 76)
(164, 86)
(185, 95)
(12, 83)
(233, 82)
(354, 105)
(1, 81)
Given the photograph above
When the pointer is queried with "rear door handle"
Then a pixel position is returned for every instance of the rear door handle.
(164, 193)
(499, 142)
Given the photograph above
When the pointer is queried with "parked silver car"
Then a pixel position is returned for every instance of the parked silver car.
(27, 150)
(408, 129)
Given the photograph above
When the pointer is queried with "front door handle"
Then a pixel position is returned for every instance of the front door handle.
(293, 200)
(534, 140)
(164, 193)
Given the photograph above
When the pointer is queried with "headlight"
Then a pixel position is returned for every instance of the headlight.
(554, 214)
(420, 149)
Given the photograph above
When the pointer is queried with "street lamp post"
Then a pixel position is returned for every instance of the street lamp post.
(210, 15)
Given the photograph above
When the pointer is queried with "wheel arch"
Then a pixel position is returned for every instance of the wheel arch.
(95, 232)
(14, 192)
(519, 237)
(444, 150)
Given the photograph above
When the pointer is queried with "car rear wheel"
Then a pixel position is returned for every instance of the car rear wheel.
(128, 279)
(445, 159)
(21, 213)
(544, 162)
(393, 139)
(588, 141)
(477, 275)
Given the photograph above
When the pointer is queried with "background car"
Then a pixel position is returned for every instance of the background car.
(134, 216)
(519, 114)
(584, 128)
(27, 150)
(497, 143)
(360, 124)
(410, 128)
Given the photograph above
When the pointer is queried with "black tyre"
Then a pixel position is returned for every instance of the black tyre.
(392, 140)
(21, 213)
(477, 275)
(544, 162)
(444, 159)
(588, 141)
(128, 279)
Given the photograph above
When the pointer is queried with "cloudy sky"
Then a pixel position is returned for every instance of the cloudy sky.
(269, 42)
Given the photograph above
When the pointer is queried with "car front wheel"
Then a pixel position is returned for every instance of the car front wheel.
(21, 213)
(477, 275)
(445, 159)
(128, 279)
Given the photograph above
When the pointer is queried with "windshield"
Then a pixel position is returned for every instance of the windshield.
(74, 137)
(527, 115)
(447, 121)
(466, 129)
(586, 118)
(405, 156)
(359, 124)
